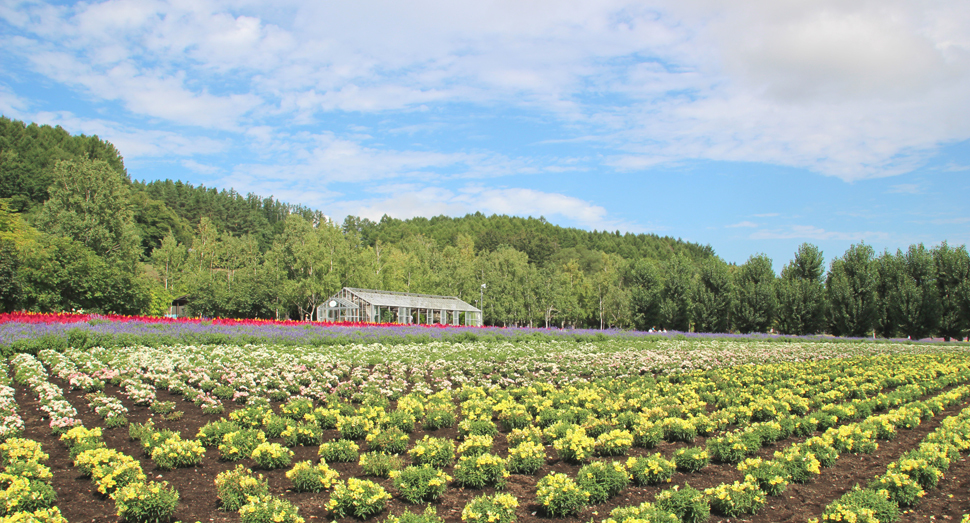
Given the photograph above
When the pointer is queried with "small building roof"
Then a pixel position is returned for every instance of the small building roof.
(412, 300)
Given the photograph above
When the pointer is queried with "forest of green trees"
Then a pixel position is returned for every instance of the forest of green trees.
(77, 234)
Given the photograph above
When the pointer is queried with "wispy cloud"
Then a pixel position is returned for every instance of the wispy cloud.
(742, 224)
(809, 232)
(905, 188)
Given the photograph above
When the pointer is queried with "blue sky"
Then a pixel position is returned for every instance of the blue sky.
(752, 127)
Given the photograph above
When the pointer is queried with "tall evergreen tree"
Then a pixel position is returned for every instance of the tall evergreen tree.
(755, 302)
(801, 293)
(952, 273)
(915, 301)
(713, 295)
(851, 291)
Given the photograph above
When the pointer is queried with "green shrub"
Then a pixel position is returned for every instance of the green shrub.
(430, 515)
(647, 434)
(269, 509)
(526, 458)
(530, 433)
(19, 494)
(575, 446)
(691, 459)
(240, 444)
(162, 407)
(233, 487)
(271, 456)
(613, 443)
(379, 464)
(211, 433)
(436, 452)
(866, 505)
(497, 508)
(650, 470)
(602, 480)
(178, 453)
(302, 434)
(678, 429)
(307, 477)
(296, 408)
(688, 504)
(340, 451)
(477, 427)
(420, 483)
(736, 499)
(357, 497)
(274, 426)
(480, 471)
(800, 465)
(559, 496)
(475, 446)
(146, 503)
(902, 489)
(390, 441)
(645, 511)
(438, 419)
(354, 427)
(770, 476)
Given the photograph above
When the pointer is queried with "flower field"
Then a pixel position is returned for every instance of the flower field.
(613, 429)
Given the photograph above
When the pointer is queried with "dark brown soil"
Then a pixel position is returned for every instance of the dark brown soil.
(79, 501)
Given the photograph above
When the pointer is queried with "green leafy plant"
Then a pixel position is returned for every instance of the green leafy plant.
(575, 446)
(559, 496)
(438, 419)
(178, 453)
(240, 444)
(497, 508)
(650, 470)
(391, 441)
(420, 483)
(480, 471)
(360, 498)
(211, 433)
(302, 434)
(736, 499)
(271, 455)
(613, 443)
(688, 504)
(691, 459)
(379, 464)
(645, 511)
(770, 476)
(602, 480)
(307, 477)
(475, 445)
(527, 457)
(234, 487)
(146, 502)
(437, 452)
(340, 451)
(269, 509)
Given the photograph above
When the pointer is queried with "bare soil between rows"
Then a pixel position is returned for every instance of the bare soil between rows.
(79, 500)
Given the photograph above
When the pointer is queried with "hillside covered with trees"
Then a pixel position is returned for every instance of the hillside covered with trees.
(77, 234)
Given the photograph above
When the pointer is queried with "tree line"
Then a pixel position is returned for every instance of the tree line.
(78, 234)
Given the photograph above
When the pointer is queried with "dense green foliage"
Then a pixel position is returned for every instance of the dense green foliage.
(77, 234)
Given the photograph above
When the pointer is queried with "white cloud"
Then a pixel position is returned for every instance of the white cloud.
(905, 188)
(809, 232)
(850, 89)
(742, 224)
(410, 201)
(134, 143)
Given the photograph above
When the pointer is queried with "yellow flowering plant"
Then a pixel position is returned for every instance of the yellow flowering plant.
(650, 470)
(526, 458)
(269, 509)
(271, 456)
(307, 477)
(141, 502)
(481, 471)
(737, 499)
(420, 483)
(559, 496)
(497, 508)
(234, 487)
(359, 498)
(340, 451)
(602, 480)
(437, 452)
